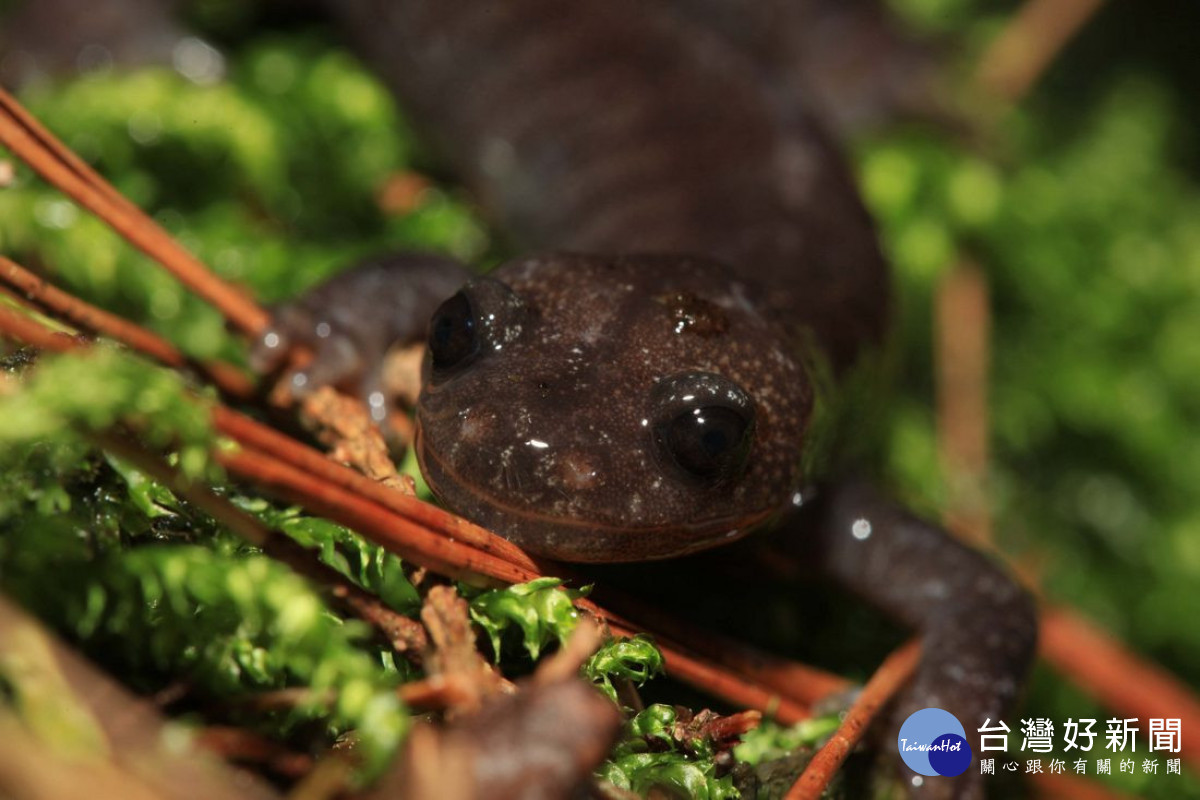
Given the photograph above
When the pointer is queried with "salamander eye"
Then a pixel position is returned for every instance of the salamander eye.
(483, 318)
(710, 442)
(704, 425)
(453, 334)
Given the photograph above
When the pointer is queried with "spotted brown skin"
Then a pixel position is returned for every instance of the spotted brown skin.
(550, 439)
(700, 238)
(616, 127)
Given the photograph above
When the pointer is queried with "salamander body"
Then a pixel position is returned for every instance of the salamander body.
(651, 379)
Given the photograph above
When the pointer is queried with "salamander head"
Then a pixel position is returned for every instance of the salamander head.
(596, 408)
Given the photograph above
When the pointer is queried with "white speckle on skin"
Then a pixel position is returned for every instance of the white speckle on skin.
(537, 443)
(378, 404)
(937, 590)
(861, 529)
(499, 158)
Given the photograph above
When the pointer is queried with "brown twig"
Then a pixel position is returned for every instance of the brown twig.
(435, 693)
(362, 604)
(270, 442)
(34, 145)
(343, 424)
(799, 682)
(238, 426)
(386, 527)
(454, 650)
(457, 559)
(247, 747)
(330, 778)
(962, 360)
(703, 674)
(1116, 678)
(23, 329)
(779, 686)
(1009, 68)
(776, 685)
(1019, 56)
(733, 726)
(892, 673)
(91, 319)
(407, 540)
(1068, 16)
(425, 547)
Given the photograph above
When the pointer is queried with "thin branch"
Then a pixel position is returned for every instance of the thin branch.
(777, 685)
(436, 693)
(267, 440)
(425, 547)
(420, 545)
(719, 682)
(382, 526)
(801, 683)
(355, 600)
(59, 150)
(891, 675)
(1107, 671)
(962, 351)
(1019, 56)
(34, 145)
(23, 329)
(87, 317)
(247, 747)
(430, 547)
(1016, 59)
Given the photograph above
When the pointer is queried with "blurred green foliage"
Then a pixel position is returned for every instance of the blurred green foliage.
(1080, 206)
(159, 592)
(270, 178)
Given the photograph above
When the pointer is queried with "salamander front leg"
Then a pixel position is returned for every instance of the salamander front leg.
(351, 321)
(978, 626)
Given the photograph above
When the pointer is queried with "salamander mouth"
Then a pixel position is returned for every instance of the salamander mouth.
(572, 539)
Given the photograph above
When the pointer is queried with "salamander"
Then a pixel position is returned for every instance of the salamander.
(658, 374)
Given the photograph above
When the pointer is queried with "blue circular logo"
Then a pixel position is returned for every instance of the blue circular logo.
(933, 742)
